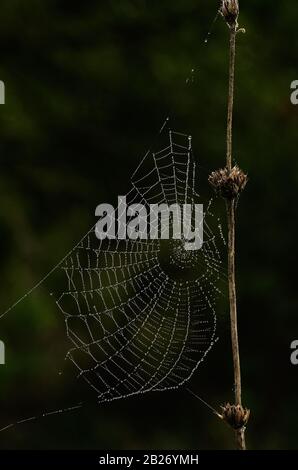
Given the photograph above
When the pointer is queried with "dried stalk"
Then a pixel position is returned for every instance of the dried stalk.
(240, 433)
(229, 183)
(233, 33)
(233, 313)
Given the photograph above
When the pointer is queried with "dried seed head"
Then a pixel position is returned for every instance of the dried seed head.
(230, 11)
(235, 415)
(228, 183)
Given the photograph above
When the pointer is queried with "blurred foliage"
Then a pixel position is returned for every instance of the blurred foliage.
(88, 85)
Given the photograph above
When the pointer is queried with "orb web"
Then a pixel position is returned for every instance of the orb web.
(140, 314)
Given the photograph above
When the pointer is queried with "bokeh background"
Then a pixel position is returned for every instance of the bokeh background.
(88, 85)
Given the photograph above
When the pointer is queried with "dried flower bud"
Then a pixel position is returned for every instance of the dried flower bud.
(228, 183)
(235, 415)
(230, 11)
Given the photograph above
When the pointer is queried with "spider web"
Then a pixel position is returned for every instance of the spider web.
(140, 314)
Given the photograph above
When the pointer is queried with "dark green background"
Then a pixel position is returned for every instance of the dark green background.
(88, 85)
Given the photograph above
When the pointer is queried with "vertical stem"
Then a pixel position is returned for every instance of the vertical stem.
(233, 300)
(231, 95)
(240, 433)
(231, 209)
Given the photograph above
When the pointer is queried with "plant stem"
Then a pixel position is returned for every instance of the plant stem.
(233, 33)
(231, 209)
